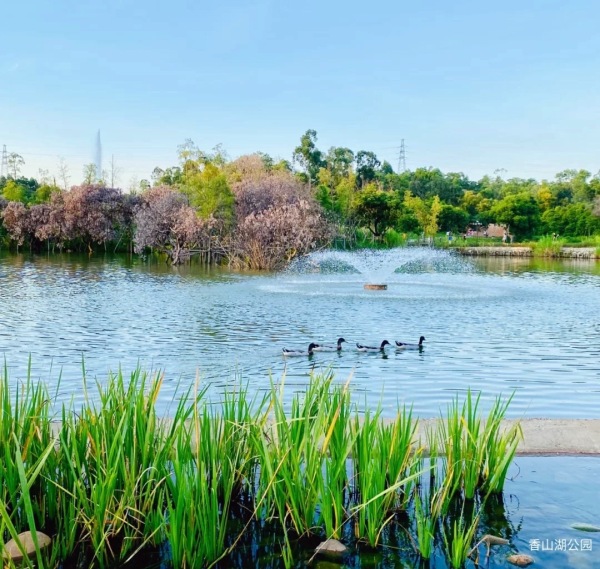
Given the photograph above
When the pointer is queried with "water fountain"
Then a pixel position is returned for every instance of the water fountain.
(378, 270)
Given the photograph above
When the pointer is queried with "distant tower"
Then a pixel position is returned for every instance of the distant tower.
(4, 165)
(98, 158)
(402, 158)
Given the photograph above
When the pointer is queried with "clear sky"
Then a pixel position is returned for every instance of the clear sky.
(471, 86)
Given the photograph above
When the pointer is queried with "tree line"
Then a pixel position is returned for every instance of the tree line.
(257, 212)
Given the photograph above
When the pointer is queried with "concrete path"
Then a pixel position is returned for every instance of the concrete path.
(548, 437)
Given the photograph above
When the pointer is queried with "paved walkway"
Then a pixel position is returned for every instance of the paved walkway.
(549, 437)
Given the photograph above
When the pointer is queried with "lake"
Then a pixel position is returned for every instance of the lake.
(496, 326)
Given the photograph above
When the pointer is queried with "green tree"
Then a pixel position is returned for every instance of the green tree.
(14, 192)
(367, 165)
(209, 193)
(577, 181)
(44, 193)
(572, 220)
(339, 163)
(309, 156)
(453, 218)
(375, 209)
(426, 213)
(519, 212)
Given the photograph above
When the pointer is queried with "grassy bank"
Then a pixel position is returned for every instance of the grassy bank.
(111, 481)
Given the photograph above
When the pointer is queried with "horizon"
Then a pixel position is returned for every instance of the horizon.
(474, 89)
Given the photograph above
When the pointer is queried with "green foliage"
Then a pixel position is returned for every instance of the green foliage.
(548, 246)
(309, 156)
(367, 165)
(572, 220)
(453, 218)
(520, 212)
(426, 213)
(116, 477)
(209, 193)
(354, 189)
(14, 192)
(375, 208)
(44, 193)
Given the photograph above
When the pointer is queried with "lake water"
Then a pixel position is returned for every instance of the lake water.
(492, 325)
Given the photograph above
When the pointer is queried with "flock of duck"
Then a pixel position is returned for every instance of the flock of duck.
(312, 347)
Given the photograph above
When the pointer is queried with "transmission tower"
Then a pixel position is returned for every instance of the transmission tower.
(4, 165)
(402, 158)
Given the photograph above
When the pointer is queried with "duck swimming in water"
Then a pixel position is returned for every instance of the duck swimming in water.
(329, 347)
(405, 346)
(311, 347)
(362, 348)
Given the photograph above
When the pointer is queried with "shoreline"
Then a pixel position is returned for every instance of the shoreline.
(519, 251)
(544, 437)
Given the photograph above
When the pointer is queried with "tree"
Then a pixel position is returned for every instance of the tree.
(309, 156)
(93, 214)
(16, 221)
(14, 192)
(426, 213)
(165, 223)
(264, 190)
(63, 173)
(15, 162)
(339, 163)
(209, 193)
(89, 174)
(366, 167)
(519, 212)
(113, 172)
(572, 219)
(453, 218)
(44, 193)
(272, 237)
(375, 208)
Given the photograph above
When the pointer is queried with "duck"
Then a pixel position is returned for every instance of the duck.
(329, 347)
(310, 351)
(362, 348)
(405, 346)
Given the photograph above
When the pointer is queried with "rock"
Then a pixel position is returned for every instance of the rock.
(375, 286)
(12, 551)
(489, 540)
(331, 547)
(585, 527)
(520, 559)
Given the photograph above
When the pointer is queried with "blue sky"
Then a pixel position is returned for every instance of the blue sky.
(471, 86)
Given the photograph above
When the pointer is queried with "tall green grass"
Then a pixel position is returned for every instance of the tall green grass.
(548, 246)
(112, 478)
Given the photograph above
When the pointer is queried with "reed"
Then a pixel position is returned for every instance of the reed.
(370, 479)
(499, 447)
(477, 452)
(24, 417)
(290, 458)
(334, 491)
(459, 539)
(548, 246)
(383, 460)
(425, 524)
(115, 478)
